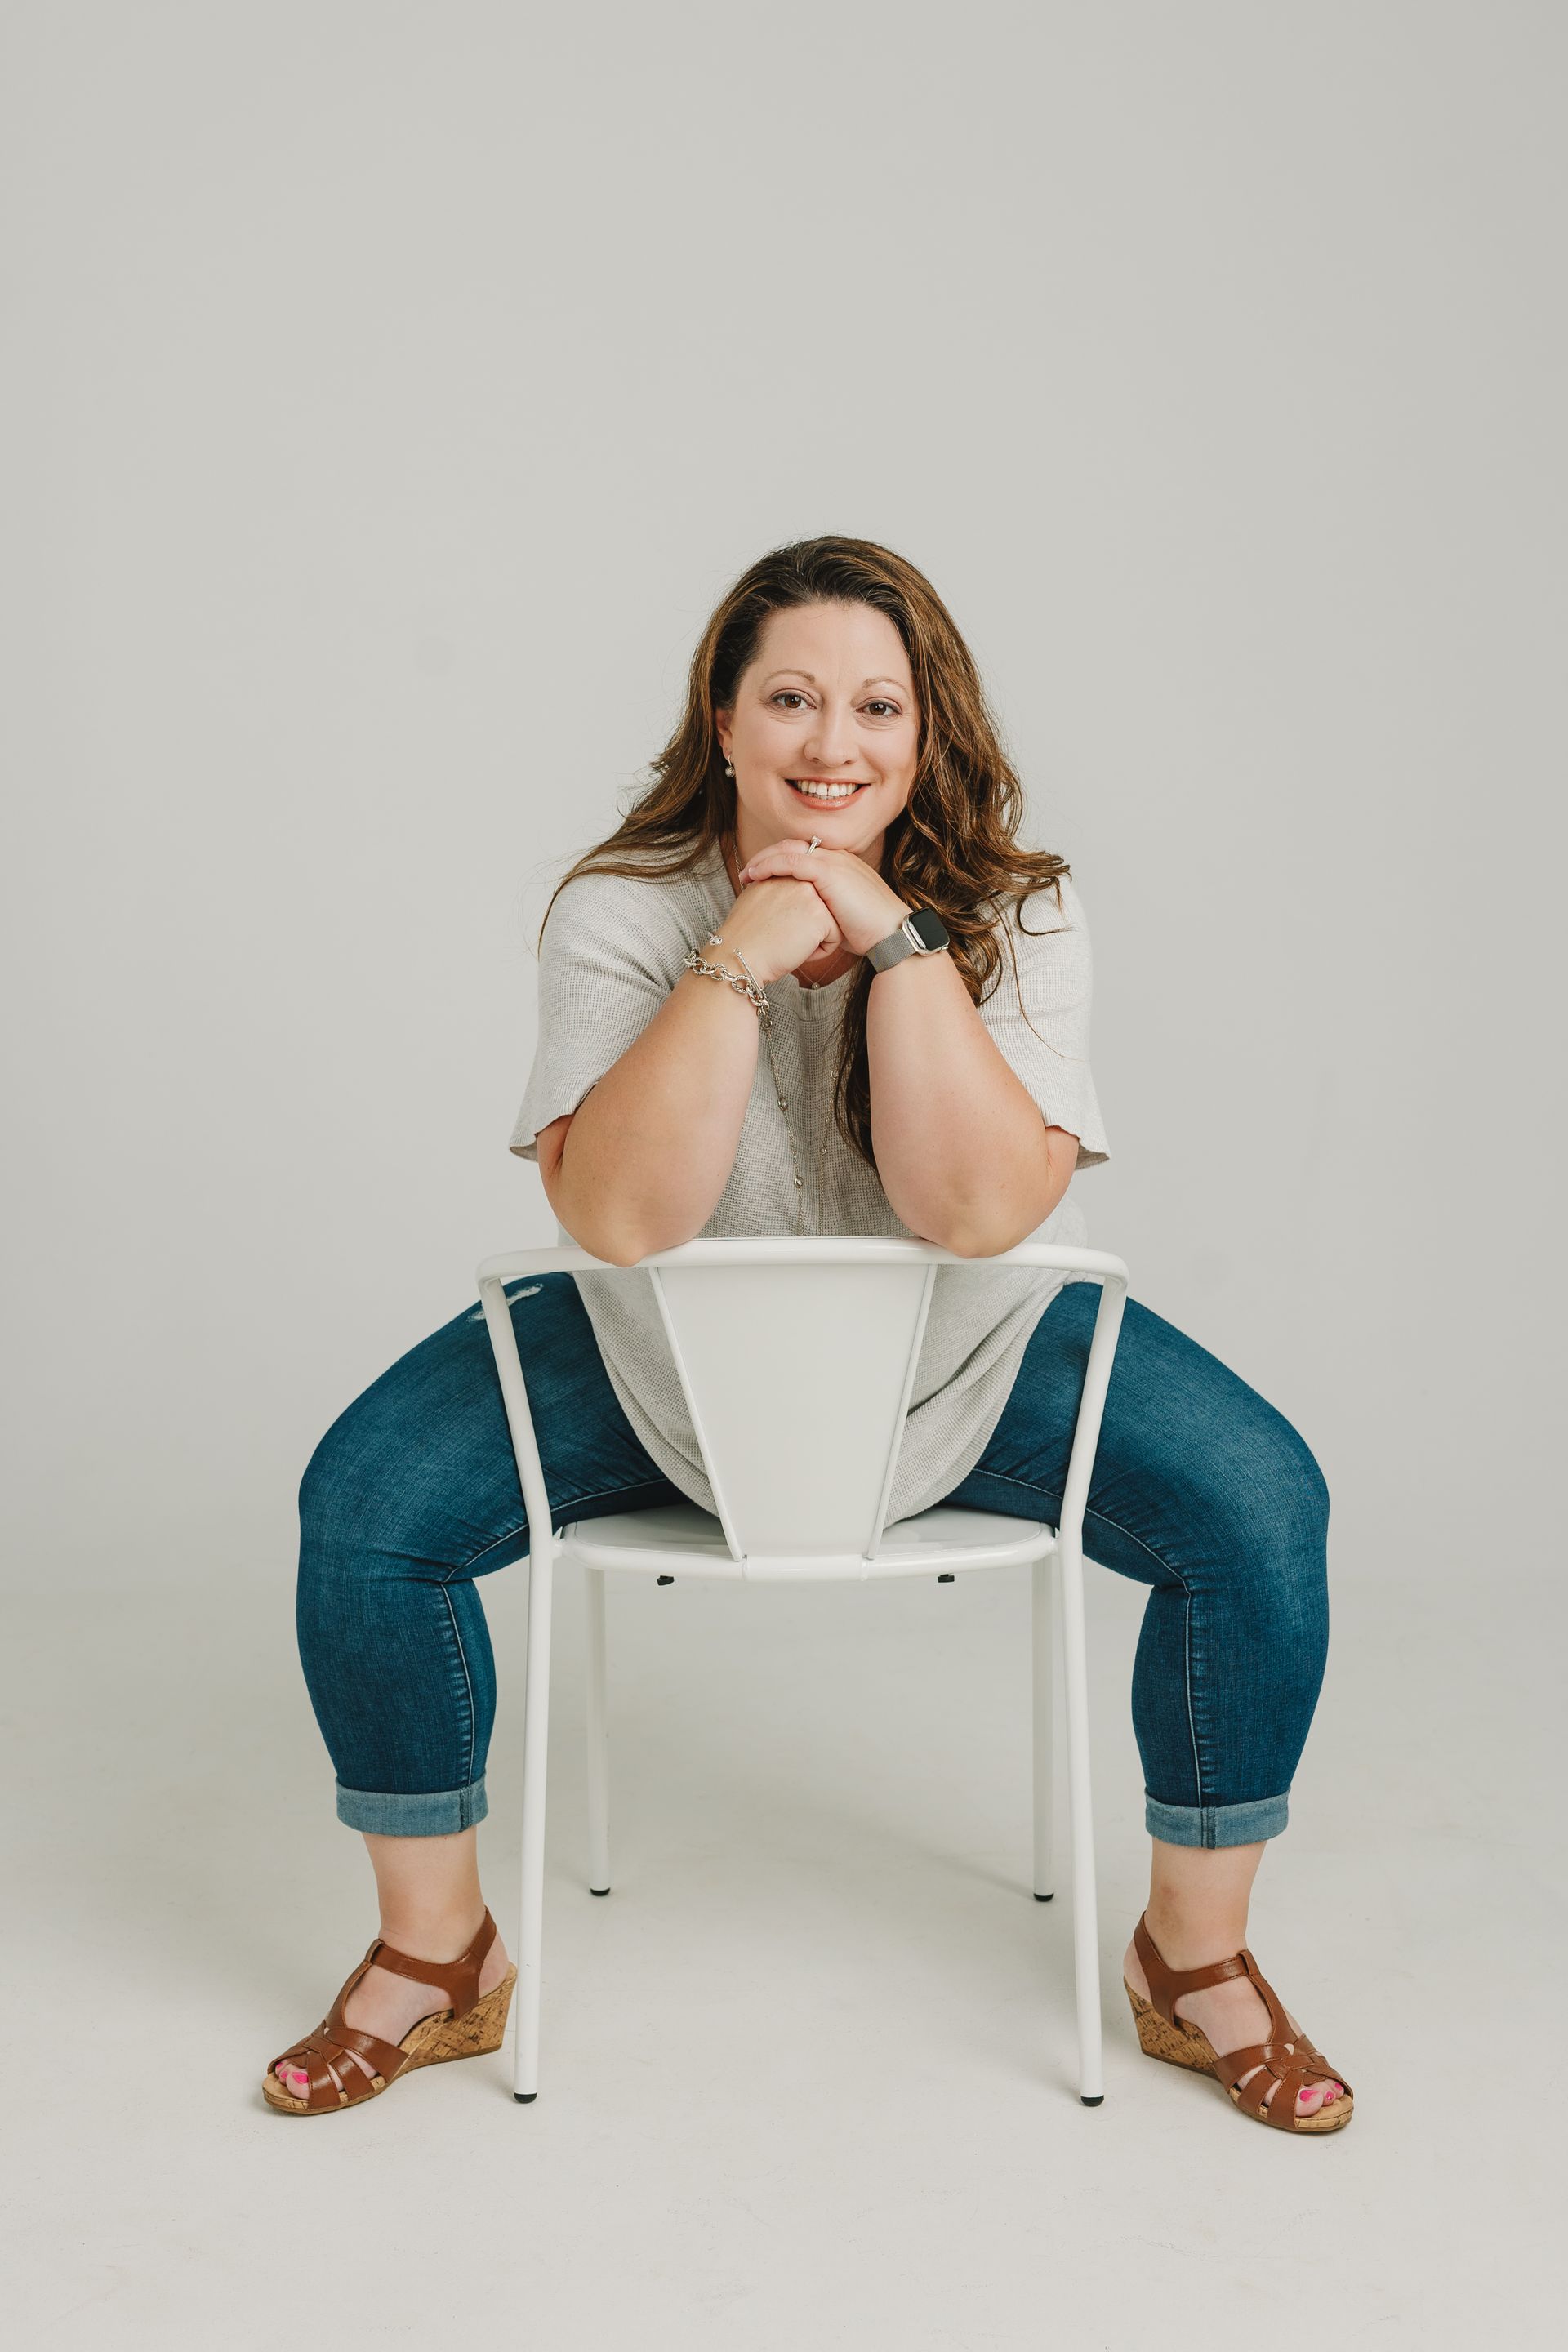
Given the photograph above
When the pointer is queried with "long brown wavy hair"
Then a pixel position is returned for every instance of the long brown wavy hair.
(952, 847)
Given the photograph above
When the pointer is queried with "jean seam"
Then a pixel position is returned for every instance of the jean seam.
(606, 1495)
(461, 1567)
(1171, 1569)
(468, 1781)
(1187, 1682)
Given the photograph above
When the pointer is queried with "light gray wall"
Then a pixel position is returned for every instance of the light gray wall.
(391, 393)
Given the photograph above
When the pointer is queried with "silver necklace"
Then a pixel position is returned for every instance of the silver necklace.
(789, 1137)
(764, 1017)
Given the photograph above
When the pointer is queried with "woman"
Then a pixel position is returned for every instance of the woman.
(829, 840)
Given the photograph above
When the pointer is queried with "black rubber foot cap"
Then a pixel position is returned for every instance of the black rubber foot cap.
(522, 2097)
(598, 1890)
(1045, 1898)
(666, 1580)
(1091, 2102)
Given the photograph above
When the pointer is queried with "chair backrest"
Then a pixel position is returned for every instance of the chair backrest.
(797, 1374)
(797, 1356)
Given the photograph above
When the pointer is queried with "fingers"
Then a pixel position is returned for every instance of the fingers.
(782, 857)
(792, 911)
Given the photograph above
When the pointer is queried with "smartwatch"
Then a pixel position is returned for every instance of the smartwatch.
(921, 932)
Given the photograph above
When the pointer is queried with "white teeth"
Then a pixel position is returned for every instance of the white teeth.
(828, 792)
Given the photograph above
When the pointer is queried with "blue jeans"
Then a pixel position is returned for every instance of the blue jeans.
(1201, 1490)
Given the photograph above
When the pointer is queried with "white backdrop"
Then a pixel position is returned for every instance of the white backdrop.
(394, 391)
(390, 390)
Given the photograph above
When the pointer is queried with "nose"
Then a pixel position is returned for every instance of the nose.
(831, 743)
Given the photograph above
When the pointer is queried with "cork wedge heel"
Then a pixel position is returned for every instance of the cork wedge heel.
(347, 2066)
(1287, 2063)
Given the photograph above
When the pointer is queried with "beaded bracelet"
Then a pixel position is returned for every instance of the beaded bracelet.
(749, 987)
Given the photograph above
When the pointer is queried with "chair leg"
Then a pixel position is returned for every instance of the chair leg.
(536, 1756)
(1043, 1588)
(598, 1735)
(1085, 1921)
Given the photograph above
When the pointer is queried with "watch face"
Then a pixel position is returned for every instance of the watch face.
(928, 927)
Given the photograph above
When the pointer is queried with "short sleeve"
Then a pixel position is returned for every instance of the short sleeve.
(612, 949)
(1040, 1019)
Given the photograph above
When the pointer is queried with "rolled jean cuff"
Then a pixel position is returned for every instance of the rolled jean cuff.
(437, 1812)
(1264, 1817)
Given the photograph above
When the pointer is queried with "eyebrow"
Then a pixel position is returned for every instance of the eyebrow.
(813, 681)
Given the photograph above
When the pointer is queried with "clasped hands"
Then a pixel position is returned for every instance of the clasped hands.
(863, 906)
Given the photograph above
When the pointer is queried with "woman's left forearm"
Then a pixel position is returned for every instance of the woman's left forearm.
(963, 1154)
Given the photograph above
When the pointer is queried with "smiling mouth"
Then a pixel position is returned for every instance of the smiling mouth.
(826, 796)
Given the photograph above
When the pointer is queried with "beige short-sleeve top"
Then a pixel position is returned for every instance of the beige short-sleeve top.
(612, 948)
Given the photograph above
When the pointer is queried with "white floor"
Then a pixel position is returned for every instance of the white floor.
(808, 2071)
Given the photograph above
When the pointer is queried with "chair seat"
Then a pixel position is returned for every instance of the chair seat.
(679, 1537)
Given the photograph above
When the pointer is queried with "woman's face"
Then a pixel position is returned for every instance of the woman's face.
(828, 701)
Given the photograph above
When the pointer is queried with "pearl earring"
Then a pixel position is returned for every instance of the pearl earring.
(728, 771)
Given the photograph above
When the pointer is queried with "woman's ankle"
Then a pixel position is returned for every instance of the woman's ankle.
(428, 1889)
(1198, 1901)
(432, 1931)
(1189, 1939)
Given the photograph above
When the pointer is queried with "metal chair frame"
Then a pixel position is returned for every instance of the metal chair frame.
(687, 1541)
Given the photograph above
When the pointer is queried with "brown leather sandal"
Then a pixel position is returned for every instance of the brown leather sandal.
(1287, 2063)
(347, 2066)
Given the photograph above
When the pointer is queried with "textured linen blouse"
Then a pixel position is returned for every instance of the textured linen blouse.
(612, 948)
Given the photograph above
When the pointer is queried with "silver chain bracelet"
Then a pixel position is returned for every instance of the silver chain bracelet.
(750, 988)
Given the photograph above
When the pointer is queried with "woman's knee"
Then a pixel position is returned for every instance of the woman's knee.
(338, 1478)
(416, 1477)
(1267, 1503)
(1295, 1491)
(340, 1546)
(1257, 1498)
(371, 1497)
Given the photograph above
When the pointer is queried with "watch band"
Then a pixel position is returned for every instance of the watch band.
(921, 932)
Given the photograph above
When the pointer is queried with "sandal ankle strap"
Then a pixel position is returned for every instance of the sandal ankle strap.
(1166, 1985)
(458, 1978)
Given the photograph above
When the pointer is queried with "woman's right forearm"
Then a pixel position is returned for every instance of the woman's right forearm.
(650, 1150)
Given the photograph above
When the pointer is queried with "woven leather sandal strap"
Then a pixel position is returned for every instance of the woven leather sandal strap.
(1234, 2064)
(1281, 2108)
(313, 2057)
(1309, 2066)
(333, 2062)
(385, 2058)
(1292, 2069)
(299, 2058)
(458, 1978)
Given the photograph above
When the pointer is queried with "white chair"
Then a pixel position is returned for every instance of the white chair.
(773, 1524)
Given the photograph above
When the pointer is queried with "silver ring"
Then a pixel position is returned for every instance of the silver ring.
(811, 844)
